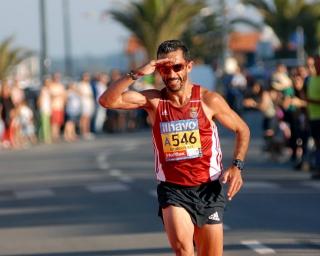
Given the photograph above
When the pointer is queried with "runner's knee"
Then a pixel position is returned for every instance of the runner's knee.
(182, 249)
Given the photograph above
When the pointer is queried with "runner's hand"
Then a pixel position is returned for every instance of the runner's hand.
(233, 177)
(150, 67)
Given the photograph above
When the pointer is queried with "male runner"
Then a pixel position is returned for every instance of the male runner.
(187, 149)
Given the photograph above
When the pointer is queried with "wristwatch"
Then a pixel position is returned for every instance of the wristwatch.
(133, 75)
(238, 163)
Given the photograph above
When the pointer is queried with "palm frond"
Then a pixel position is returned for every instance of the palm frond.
(286, 15)
(10, 57)
(153, 21)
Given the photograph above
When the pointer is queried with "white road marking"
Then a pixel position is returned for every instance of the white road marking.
(36, 209)
(130, 146)
(126, 179)
(36, 193)
(119, 174)
(115, 173)
(107, 187)
(102, 157)
(313, 184)
(258, 247)
(104, 166)
(102, 160)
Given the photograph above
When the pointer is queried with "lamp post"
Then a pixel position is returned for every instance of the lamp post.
(300, 45)
(225, 30)
(67, 38)
(43, 40)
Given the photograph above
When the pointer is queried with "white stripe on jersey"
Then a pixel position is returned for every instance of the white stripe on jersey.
(216, 157)
(158, 167)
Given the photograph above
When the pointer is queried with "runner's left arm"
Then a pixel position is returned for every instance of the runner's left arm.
(232, 121)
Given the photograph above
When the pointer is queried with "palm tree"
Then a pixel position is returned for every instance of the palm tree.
(10, 57)
(284, 16)
(153, 21)
(204, 37)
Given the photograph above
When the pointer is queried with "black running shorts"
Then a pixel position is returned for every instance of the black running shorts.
(204, 203)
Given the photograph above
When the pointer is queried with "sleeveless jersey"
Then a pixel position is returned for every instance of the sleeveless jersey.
(186, 145)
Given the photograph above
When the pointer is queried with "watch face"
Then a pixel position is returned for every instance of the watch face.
(132, 75)
(238, 163)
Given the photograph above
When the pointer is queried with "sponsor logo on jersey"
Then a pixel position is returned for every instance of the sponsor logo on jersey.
(178, 126)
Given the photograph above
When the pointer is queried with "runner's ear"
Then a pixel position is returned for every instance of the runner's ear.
(189, 66)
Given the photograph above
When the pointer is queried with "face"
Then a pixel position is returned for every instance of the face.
(298, 82)
(282, 68)
(86, 77)
(256, 88)
(174, 73)
(57, 77)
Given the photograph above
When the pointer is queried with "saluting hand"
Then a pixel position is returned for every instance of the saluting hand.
(150, 67)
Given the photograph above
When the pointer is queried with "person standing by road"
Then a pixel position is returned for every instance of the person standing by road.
(44, 106)
(58, 101)
(313, 107)
(188, 157)
(87, 106)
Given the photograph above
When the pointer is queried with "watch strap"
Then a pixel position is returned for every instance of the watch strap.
(238, 163)
(133, 75)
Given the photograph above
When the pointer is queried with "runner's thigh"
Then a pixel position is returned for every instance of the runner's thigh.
(179, 228)
(209, 240)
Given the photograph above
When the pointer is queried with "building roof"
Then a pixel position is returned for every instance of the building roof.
(243, 42)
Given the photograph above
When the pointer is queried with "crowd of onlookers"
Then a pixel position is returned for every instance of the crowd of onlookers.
(289, 100)
(63, 110)
(70, 110)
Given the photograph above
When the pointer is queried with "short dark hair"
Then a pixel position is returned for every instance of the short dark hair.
(171, 46)
(317, 64)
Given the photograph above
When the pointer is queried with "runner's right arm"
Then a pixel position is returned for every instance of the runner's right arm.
(117, 97)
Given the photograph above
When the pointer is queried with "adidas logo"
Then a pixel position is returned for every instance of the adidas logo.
(214, 216)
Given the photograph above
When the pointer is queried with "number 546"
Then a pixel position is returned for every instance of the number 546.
(185, 139)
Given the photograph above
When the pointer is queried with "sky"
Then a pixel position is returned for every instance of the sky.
(91, 34)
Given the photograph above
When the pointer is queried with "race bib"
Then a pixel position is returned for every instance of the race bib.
(181, 139)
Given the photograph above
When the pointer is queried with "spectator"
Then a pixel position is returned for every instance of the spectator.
(87, 106)
(313, 97)
(7, 113)
(58, 99)
(101, 113)
(44, 106)
(236, 90)
(283, 83)
(26, 123)
(264, 100)
(302, 122)
(17, 94)
(93, 83)
(73, 112)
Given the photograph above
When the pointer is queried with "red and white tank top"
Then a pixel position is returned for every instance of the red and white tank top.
(186, 145)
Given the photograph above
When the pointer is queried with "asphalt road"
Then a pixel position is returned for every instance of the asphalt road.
(94, 198)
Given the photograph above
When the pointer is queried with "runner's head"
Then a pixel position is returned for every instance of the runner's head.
(174, 73)
(172, 46)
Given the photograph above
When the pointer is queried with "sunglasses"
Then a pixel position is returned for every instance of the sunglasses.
(166, 69)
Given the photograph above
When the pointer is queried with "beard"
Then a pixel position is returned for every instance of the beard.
(174, 84)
